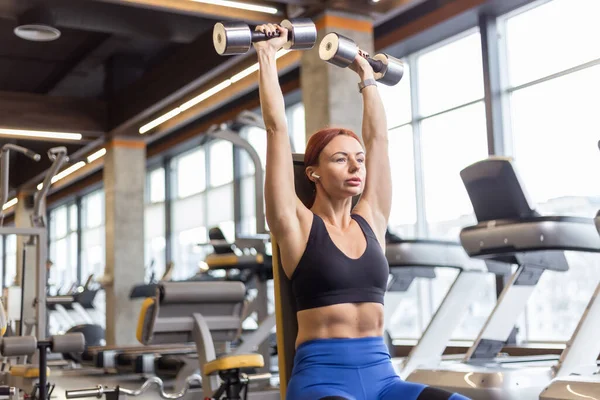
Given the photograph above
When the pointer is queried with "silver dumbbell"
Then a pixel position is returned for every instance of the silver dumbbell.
(341, 51)
(237, 37)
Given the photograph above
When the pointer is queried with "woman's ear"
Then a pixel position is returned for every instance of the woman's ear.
(312, 175)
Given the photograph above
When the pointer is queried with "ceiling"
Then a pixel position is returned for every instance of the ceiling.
(118, 61)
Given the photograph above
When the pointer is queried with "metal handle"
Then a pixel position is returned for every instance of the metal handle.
(261, 36)
(97, 392)
(192, 381)
(4, 167)
(58, 156)
(29, 153)
(259, 377)
(377, 65)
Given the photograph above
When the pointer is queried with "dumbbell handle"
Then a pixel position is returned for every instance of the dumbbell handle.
(377, 65)
(261, 36)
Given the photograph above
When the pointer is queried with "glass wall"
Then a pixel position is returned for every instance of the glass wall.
(10, 254)
(202, 199)
(155, 244)
(92, 235)
(63, 246)
(552, 103)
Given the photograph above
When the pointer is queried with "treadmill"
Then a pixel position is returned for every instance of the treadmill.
(418, 258)
(509, 230)
(582, 380)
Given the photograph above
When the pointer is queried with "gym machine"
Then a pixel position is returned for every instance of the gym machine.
(202, 313)
(33, 379)
(509, 230)
(247, 260)
(413, 258)
(33, 285)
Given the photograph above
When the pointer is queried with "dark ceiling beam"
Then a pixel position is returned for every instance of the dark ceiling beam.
(187, 69)
(64, 114)
(93, 60)
(203, 10)
(441, 11)
(392, 8)
(81, 53)
(124, 21)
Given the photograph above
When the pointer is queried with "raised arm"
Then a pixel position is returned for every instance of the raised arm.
(377, 195)
(281, 202)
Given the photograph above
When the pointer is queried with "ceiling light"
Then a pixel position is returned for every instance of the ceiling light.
(96, 155)
(40, 134)
(37, 24)
(37, 32)
(205, 95)
(188, 104)
(10, 203)
(64, 173)
(243, 6)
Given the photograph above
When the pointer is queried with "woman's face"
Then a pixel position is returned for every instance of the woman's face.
(342, 167)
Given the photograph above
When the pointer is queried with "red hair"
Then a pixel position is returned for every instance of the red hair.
(316, 144)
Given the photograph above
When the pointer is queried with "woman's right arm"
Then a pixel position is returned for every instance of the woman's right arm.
(281, 202)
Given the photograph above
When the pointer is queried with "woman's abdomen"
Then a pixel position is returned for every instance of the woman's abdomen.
(340, 321)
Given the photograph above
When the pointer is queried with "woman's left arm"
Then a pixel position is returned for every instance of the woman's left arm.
(377, 194)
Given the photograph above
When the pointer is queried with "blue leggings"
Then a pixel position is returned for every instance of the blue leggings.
(353, 369)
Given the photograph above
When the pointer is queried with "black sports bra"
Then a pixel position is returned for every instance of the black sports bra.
(326, 276)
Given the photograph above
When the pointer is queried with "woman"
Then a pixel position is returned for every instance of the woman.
(333, 253)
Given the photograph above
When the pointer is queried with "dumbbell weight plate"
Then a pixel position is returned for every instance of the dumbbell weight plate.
(232, 38)
(393, 71)
(302, 34)
(337, 50)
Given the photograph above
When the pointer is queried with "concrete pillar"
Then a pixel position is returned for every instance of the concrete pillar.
(124, 178)
(329, 93)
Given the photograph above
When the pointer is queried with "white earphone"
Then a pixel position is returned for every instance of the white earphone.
(315, 175)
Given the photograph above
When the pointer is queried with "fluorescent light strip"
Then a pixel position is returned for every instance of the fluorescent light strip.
(10, 203)
(243, 6)
(94, 156)
(41, 134)
(64, 173)
(205, 95)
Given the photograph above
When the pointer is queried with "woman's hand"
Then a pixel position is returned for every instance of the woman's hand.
(274, 43)
(361, 66)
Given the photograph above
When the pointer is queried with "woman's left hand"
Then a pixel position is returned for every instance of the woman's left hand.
(361, 66)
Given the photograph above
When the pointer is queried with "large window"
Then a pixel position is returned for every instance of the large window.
(92, 235)
(437, 113)
(63, 246)
(553, 106)
(154, 224)
(453, 131)
(202, 199)
(188, 211)
(258, 139)
(10, 254)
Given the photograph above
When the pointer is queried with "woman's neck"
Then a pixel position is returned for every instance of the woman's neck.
(336, 213)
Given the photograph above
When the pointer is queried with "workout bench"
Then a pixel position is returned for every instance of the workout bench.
(202, 313)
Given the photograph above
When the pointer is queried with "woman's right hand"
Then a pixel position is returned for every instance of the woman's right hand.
(274, 43)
